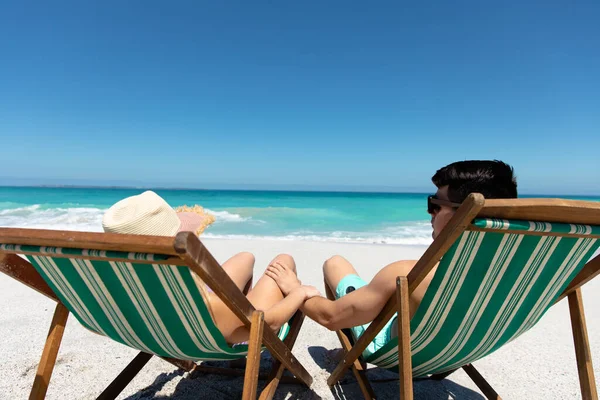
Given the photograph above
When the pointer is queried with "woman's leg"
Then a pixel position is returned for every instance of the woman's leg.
(266, 293)
(263, 296)
(240, 268)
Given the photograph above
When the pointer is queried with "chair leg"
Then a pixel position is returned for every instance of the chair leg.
(582, 347)
(254, 348)
(358, 368)
(481, 383)
(278, 368)
(123, 379)
(50, 352)
(404, 352)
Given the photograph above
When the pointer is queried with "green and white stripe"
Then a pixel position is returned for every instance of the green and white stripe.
(134, 299)
(493, 340)
(488, 289)
(519, 290)
(458, 270)
(55, 278)
(492, 279)
(110, 308)
(578, 254)
(187, 310)
(139, 297)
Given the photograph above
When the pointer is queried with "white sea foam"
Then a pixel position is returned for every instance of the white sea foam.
(224, 216)
(90, 220)
(25, 211)
(76, 219)
(408, 233)
(79, 218)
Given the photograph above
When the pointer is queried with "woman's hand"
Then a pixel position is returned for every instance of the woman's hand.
(310, 291)
(285, 278)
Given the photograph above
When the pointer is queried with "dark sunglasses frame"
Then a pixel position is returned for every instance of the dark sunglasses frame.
(434, 204)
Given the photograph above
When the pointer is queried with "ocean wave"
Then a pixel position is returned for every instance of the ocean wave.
(225, 216)
(90, 219)
(24, 211)
(79, 218)
(34, 216)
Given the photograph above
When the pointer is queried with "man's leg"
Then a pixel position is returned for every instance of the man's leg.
(342, 278)
(335, 269)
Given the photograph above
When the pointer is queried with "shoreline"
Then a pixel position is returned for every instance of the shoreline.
(312, 241)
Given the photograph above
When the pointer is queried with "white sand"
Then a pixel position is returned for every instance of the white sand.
(540, 364)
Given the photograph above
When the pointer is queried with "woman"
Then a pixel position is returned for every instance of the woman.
(150, 214)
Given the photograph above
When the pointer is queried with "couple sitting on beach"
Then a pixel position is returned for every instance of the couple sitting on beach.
(279, 292)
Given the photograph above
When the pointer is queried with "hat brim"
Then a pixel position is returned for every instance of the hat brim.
(193, 222)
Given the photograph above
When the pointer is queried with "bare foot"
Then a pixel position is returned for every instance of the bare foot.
(285, 278)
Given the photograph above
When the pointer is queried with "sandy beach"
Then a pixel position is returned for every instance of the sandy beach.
(538, 365)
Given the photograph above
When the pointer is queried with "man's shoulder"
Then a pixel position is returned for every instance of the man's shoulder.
(385, 280)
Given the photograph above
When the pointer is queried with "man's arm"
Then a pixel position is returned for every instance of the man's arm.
(281, 312)
(359, 307)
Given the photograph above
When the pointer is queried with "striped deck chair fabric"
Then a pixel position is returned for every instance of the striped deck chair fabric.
(488, 289)
(138, 301)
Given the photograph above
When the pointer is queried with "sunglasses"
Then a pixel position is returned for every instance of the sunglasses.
(434, 204)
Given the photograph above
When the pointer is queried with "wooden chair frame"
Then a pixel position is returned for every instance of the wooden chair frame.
(548, 210)
(185, 249)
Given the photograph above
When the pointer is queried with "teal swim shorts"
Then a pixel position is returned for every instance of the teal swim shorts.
(347, 285)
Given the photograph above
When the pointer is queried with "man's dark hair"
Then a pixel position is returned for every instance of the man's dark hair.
(493, 179)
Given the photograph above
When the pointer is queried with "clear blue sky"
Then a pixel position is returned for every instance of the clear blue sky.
(326, 93)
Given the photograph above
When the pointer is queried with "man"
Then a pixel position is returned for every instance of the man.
(359, 302)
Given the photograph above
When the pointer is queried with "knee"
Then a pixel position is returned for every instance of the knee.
(246, 257)
(333, 263)
(287, 260)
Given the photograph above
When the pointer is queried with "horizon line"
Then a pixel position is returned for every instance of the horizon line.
(323, 190)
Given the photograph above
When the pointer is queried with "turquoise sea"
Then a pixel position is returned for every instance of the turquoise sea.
(395, 218)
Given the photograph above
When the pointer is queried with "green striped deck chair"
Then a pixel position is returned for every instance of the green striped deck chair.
(143, 292)
(502, 265)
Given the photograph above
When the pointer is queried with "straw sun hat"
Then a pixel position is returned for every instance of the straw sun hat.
(150, 214)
